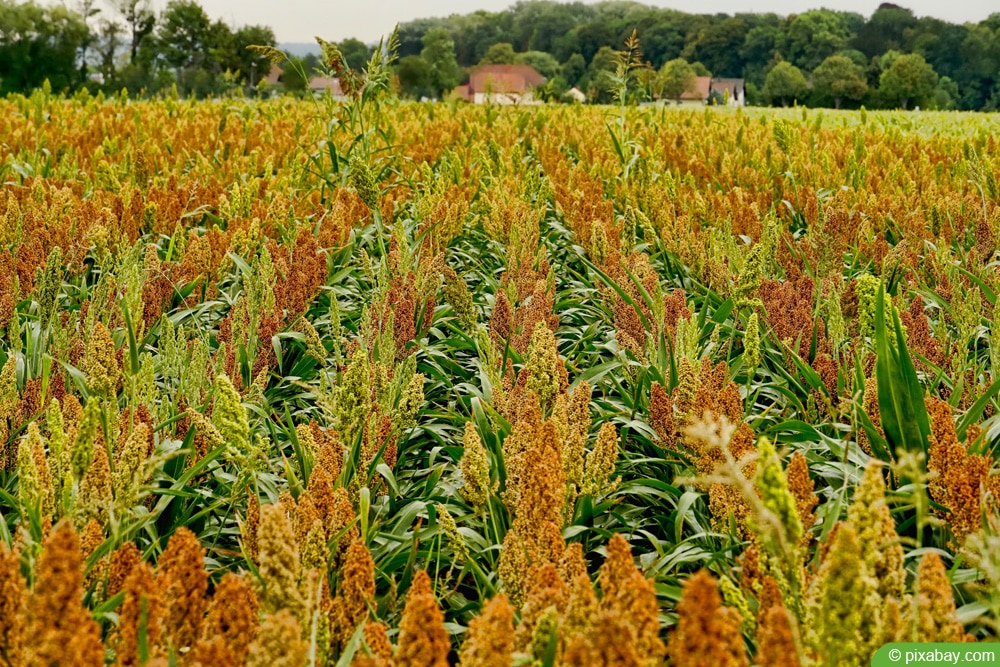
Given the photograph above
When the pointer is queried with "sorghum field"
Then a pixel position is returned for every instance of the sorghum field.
(372, 383)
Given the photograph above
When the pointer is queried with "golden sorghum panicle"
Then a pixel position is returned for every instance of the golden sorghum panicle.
(207, 437)
(230, 418)
(183, 584)
(62, 631)
(751, 344)
(802, 488)
(581, 607)
(307, 440)
(574, 443)
(304, 514)
(314, 344)
(124, 559)
(29, 488)
(542, 365)
(572, 563)
(100, 362)
(278, 562)
(86, 438)
(410, 401)
(363, 181)
(600, 463)
(545, 628)
(58, 453)
(490, 640)
(208, 652)
(232, 616)
(13, 596)
(139, 616)
(605, 646)
(544, 488)
(501, 320)
(315, 554)
(936, 620)
(546, 590)
(96, 496)
(687, 387)
(661, 415)
(876, 530)
(352, 396)
(423, 641)
(476, 484)
(355, 591)
(279, 642)
(250, 525)
(775, 641)
(515, 445)
(843, 604)
(962, 477)
(630, 596)
(377, 640)
(750, 277)
(130, 469)
(772, 484)
(734, 598)
(91, 538)
(866, 286)
(513, 566)
(706, 632)
(457, 294)
(459, 550)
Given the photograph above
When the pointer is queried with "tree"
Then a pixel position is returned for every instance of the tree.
(39, 43)
(356, 53)
(886, 29)
(839, 78)
(499, 54)
(108, 41)
(676, 78)
(600, 74)
(229, 51)
(140, 20)
(700, 69)
(812, 36)
(543, 63)
(415, 76)
(574, 69)
(662, 42)
(249, 64)
(439, 53)
(908, 79)
(593, 37)
(759, 52)
(292, 71)
(183, 34)
(946, 94)
(719, 47)
(785, 83)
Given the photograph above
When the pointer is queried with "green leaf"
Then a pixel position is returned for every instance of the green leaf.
(900, 394)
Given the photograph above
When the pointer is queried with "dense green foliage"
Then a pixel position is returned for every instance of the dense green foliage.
(947, 66)
(741, 45)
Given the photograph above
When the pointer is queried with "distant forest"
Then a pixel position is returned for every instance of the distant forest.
(817, 58)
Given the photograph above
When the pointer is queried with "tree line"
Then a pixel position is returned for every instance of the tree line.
(820, 57)
(124, 44)
(817, 58)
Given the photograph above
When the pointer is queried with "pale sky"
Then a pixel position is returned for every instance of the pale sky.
(301, 20)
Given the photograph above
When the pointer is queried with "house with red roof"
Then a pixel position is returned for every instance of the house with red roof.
(731, 91)
(502, 84)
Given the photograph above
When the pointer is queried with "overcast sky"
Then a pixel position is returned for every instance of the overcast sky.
(301, 20)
